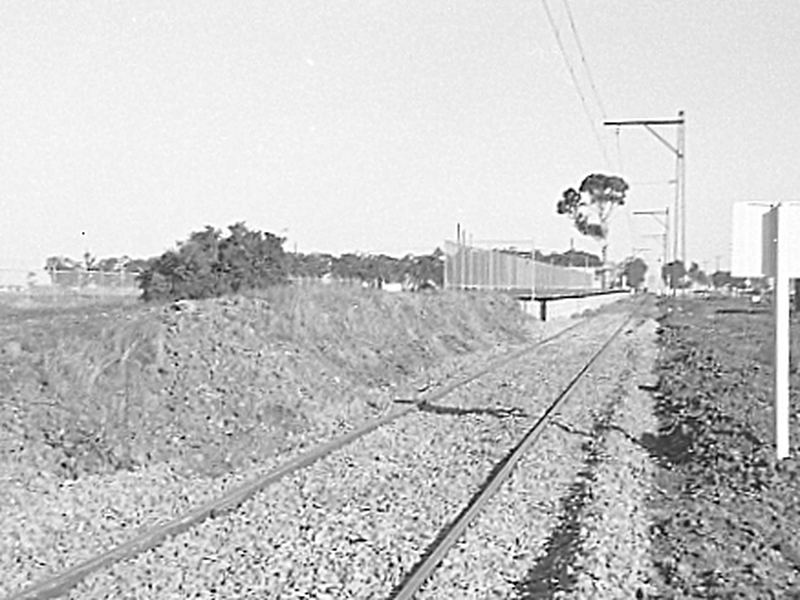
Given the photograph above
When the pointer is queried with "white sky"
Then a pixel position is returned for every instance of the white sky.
(377, 125)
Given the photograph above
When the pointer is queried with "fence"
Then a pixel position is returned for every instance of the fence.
(513, 271)
(552, 279)
(42, 283)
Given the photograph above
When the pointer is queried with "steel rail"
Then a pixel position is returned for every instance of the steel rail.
(420, 573)
(58, 585)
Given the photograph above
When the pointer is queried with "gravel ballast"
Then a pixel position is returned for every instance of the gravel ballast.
(571, 520)
(54, 514)
(353, 524)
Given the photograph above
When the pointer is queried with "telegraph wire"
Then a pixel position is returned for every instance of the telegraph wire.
(584, 61)
(598, 100)
(575, 81)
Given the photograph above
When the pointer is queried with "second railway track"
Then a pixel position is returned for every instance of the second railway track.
(354, 517)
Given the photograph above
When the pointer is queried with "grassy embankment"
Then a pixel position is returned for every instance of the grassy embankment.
(216, 384)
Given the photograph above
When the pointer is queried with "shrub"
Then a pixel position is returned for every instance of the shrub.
(208, 265)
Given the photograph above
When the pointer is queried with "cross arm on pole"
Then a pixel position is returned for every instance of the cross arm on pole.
(679, 151)
(648, 123)
(655, 214)
(663, 140)
(678, 121)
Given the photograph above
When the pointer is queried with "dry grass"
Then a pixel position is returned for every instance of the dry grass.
(217, 383)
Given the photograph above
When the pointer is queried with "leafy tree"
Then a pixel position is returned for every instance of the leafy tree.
(61, 263)
(136, 265)
(570, 258)
(89, 261)
(112, 264)
(424, 271)
(309, 265)
(385, 269)
(374, 269)
(697, 275)
(673, 273)
(720, 279)
(63, 271)
(634, 270)
(208, 264)
(596, 198)
(352, 266)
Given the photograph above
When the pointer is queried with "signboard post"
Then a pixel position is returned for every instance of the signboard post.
(779, 258)
(776, 263)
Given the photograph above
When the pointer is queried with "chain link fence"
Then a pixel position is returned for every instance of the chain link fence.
(42, 283)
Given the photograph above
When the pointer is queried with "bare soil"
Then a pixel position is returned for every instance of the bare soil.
(728, 513)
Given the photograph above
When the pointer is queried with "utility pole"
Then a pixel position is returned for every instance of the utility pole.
(679, 150)
(656, 214)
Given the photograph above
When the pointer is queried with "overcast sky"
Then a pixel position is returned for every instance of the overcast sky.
(378, 125)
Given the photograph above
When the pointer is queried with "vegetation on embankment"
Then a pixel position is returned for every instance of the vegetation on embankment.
(218, 383)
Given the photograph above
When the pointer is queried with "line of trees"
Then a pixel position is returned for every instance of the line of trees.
(677, 276)
(374, 269)
(210, 263)
(570, 258)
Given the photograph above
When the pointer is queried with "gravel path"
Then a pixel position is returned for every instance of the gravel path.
(349, 526)
(616, 556)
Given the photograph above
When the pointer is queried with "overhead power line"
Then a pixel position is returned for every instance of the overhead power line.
(584, 61)
(575, 81)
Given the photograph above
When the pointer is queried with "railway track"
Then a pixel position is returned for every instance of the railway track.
(431, 403)
(448, 537)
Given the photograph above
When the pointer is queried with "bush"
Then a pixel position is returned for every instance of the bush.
(208, 265)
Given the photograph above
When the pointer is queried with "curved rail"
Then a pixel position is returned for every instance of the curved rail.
(453, 531)
(60, 584)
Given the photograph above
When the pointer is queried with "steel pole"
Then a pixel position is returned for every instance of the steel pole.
(682, 180)
(782, 357)
(676, 235)
(666, 238)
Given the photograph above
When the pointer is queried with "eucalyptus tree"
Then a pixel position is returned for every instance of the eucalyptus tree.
(591, 206)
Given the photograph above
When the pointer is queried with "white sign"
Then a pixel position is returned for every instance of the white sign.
(766, 243)
(790, 222)
(746, 259)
